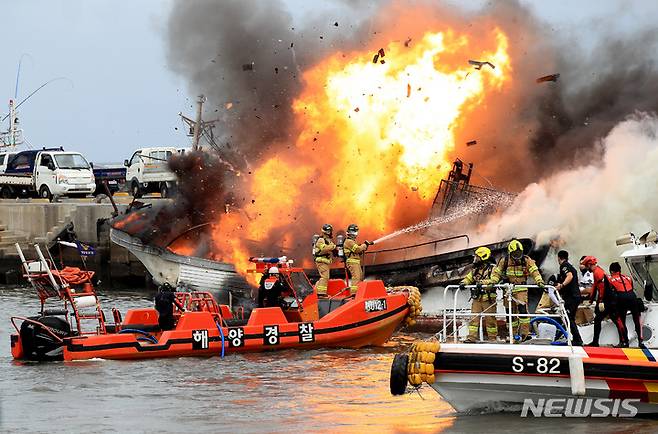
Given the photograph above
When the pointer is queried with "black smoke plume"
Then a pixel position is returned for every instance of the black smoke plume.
(248, 57)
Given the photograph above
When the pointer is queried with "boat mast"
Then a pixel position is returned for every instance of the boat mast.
(14, 135)
(199, 127)
(197, 124)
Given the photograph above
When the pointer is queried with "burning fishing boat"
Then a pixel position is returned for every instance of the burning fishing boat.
(183, 254)
(444, 253)
(180, 256)
(190, 272)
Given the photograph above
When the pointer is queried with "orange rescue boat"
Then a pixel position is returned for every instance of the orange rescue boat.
(201, 326)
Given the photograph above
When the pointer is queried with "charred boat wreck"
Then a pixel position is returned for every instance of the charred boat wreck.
(161, 253)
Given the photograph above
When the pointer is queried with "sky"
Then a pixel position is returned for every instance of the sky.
(119, 93)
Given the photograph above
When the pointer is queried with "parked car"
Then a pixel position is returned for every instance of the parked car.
(47, 172)
(148, 171)
(114, 176)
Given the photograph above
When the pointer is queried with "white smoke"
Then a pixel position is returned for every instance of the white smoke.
(589, 207)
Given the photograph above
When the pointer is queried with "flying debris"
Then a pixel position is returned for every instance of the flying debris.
(551, 77)
(471, 143)
(248, 66)
(407, 42)
(408, 90)
(478, 64)
(379, 54)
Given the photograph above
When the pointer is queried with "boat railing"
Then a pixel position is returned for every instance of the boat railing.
(451, 315)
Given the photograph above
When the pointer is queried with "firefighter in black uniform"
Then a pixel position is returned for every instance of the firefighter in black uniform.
(570, 293)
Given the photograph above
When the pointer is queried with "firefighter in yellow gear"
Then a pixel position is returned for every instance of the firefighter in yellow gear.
(515, 268)
(483, 296)
(323, 252)
(354, 256)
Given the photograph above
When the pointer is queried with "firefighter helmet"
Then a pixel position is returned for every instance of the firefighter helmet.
(515, 249)
(352, 230)
(589, 261)
(274, 270)
(483, 253)
(327, 229)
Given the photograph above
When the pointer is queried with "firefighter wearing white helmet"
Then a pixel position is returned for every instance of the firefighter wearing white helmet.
(354, 256)
(483, 296)
(270, 289)
(323, 252)
(515, 268)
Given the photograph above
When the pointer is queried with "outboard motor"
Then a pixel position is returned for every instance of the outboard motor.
(40, 345)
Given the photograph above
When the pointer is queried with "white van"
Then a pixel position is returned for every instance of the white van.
(148, 171)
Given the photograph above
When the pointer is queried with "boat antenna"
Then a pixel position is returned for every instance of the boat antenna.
(18, 73)
(37, 90)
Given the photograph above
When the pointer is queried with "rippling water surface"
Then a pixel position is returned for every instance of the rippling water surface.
(288, 391)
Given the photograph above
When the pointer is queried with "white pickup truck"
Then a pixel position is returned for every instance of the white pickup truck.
(46, 173)
(148, 171)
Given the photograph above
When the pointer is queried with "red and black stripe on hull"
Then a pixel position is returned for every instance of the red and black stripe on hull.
(609, 372)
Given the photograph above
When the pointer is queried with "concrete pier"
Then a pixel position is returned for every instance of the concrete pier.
(31, 221)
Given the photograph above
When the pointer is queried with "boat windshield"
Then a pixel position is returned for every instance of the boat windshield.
(71, 161)
(646, 273)
(302, 286)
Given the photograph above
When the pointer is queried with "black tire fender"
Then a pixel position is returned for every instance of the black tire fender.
(399, 374)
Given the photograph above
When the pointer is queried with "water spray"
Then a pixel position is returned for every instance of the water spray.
(459, 212)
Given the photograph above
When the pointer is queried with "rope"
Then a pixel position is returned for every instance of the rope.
(147, 335)
(221, 333)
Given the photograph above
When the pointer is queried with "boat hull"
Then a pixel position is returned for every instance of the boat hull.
(368, 319)
(196, 274)
(493, 377)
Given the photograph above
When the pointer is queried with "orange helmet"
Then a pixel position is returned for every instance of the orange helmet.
(589, 260)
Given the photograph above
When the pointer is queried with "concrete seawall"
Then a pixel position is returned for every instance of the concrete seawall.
(35, 221)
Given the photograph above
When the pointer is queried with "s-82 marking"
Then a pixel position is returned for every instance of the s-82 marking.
(539, 365)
